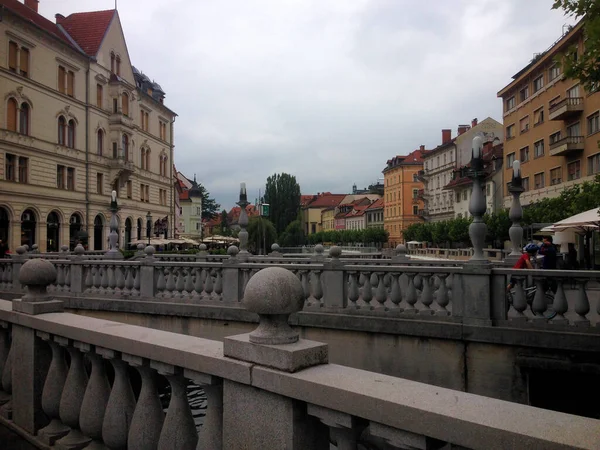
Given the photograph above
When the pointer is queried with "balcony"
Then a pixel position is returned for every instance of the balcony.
(566, 108)
(567, 145)
(120, 170)
(119, 118)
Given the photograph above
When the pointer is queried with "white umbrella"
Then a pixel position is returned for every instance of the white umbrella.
(579, 223)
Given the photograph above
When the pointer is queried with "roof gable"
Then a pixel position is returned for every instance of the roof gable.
(87, 28)
(114, 41)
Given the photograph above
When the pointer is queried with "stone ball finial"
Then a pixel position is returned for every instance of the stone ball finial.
(319, 249)
(335, 252)
(34, 248)
(274, 293)
(64, 248)
(202, 247)
(400, 249)
(140, 247)
(21, 250)
(26, 247)
(37, 274)
(79, 250)
(233, 251)
(275, 247)
(149, 251)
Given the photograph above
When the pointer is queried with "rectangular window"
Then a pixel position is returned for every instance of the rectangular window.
(115, 106)
(62, 74)
(574, 170)
(574, 130)
(415, 210)
(524, 124)
(70, 179)
(23, 169)
(510, 132)
(115, 151)
(593, 123)
(415, 193)
(538, 116)
(24, 62)
(594, 164)
(464, 195)
(524, 153)
(125, 104)
(538, 83)
(538, 149)
(13, 48)
(142, 193)
(573, 92)
(556, 176)
(99, 183)
(99, 95)
(555, 137)
(60, 177)
(554, 72)
(457, 197)
(526, 183)
(510, 103)
(10, 171)
(70, 84)
(539, 180)
(147, 193)
(129, 189)
(524, 94)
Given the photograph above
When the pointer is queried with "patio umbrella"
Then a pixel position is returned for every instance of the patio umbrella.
(584, 224)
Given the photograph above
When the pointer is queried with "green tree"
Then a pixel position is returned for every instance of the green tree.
(586, 67)
(459, 230)
(261, 232)
(210, 208)
(293, 235)
(282, 193)
(224, 226)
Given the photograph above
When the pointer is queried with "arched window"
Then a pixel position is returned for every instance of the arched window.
(125, 147)
(71, 134)
(62, 125)
(125, 103)
(148, 159)
(24, 119)
(112, 62)
(100, 142)
(143, 159)
(11, 114)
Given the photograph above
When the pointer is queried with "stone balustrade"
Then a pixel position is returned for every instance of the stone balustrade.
(265, 389)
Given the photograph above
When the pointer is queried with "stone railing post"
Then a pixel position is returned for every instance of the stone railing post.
(31, 357)
(401, 256)
(273, 293)
(319, 256)
(231, 277)
(472, 294)
(478, 228)
(148, 274)
(17, 262)
(334, 282)
(202, 253)
(76, 270)
(275, 250)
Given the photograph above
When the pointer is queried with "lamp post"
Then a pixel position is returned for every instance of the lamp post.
(113, 238)
(243, 223)
(516, 211)
(148, 226)
(477, 174)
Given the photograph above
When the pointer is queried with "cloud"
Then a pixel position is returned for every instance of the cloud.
(325, 90)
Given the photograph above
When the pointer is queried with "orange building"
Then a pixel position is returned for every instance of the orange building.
(551, 125)
(403, 206)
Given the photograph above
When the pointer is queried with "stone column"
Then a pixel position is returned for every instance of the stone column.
(243, 223)
(478, 228)
(271, 420)
(113, 238)
(231, 277)
(148, 274)
(31, 357)
(516, 212)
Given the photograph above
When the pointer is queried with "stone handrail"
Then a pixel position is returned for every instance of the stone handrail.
(266, 389)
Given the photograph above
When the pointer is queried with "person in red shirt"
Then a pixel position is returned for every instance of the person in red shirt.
(524, 261)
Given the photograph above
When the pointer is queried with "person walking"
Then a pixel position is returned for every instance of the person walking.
(548, 251)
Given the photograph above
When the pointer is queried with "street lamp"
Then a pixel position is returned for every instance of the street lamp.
(148, 226)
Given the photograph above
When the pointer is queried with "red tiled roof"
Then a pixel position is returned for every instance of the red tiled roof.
(357, 211)
(88, 28)
(413, 158)
(305, 199)
(376, 204)
(36, 19)
(185, 195)
(326, 200)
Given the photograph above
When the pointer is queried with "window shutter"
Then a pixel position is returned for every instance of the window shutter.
(11, 122)
(61, 79)
(12, 56)
(24, 62)
(70, 83)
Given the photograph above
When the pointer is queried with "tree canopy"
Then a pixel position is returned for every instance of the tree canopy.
(210, 208)
(282, 193)
(261, 234)
(586, 67)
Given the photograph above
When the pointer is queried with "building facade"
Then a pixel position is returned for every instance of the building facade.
(191, 212)
(374, 214)
(403, 206)
(78, 121)
(551, 125)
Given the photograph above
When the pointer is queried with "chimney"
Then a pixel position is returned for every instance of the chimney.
(474, 122)
(422, 148)
(446, 136)
(32, 4)
(463, 129)
(59, 18)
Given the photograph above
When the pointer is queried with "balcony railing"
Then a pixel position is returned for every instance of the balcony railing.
(566, 108)
(567, 145)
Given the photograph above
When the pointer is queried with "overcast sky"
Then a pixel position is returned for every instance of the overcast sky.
(327, 90)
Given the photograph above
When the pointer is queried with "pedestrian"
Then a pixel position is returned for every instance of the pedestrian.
(548, 251)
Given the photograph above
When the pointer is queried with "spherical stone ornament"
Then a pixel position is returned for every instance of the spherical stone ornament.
(149, 251)
(140, 247)
(335, 251)
(319, 249)
(79, 250)
(21, 250)
(64, 248)
(37, 274)
(233, 251)
(275, 247)
(400, 249)
(274, 293)
(202, 247)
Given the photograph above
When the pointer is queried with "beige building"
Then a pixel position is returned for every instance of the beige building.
(551, 125)
(77, 121)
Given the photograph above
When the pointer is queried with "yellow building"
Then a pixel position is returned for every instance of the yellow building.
(77, 121)
(403, 204)
(551, 125)
(312, 209)
(328, 218)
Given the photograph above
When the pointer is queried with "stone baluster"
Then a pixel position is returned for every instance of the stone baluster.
(180, 283)
(5, 395)
(129, 281)
(96, 278)
(380, 292)
(53, 389)
(539, 304)
(67, 283)
(353, 291)
(104, 282)
(112, 282)
(95, 398)
(161, 284)
(72, 399)
(60, 276)
(582, 304)
(317, 288)
(426, 294)
(218, 285)
(170, 287)
(560, 304)
(148, 417)
(178, 431)
(120, 405)
(343, 428)
(442, 298)
(367, 291)
(208, 284)
(189, 282)
(395, 292)
(211, 433)
(304, 281)
(198, 284)
(119, 279)
(137, 274)
(411, 293)
(519, 302)
(401, 439)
